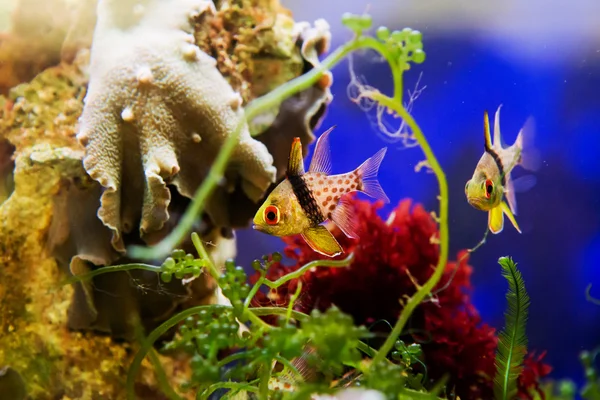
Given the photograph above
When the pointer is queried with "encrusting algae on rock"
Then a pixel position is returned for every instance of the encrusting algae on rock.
(39, 119)
(173, 105)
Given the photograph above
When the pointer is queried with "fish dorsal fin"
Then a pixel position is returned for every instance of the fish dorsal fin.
(497, 136)
(486, 131)
(296, 162)
(343, 217)
(321, 161)
(322, 241)
(510, 216)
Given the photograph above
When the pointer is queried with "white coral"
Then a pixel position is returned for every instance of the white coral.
(157, 112)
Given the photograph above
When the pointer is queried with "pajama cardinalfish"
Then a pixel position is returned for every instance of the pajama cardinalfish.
(304, 200)
(491, 181)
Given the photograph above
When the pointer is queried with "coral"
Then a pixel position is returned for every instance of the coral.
(35, 341)
(6, 169)
(156, 113)
(391, 258)
(39, 122)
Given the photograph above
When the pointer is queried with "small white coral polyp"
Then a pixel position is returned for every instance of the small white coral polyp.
(156, 113)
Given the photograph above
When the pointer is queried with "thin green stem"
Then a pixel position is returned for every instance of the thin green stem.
(232, 357)
(313, 264)
(254, 108)
(111, 268)
(154, 335)
(293, 299)
(425, 290)
(261, 311)
(229, 385)
(290, 366)
(161, 377)
(256, 321)
(212, 270)
(265, 376)
(254, 289)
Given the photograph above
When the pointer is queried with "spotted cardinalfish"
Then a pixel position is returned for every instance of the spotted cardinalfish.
(492, 182)
(303, 201)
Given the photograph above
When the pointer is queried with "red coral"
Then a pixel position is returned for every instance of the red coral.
(390, 257)
(533, 369)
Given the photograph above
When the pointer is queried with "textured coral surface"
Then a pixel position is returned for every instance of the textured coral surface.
(54, 362)
(157, 112)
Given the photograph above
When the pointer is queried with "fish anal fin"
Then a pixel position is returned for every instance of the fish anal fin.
(322, 241)
(506, 210)
(321, 160)
(496, 220)
(296, 162)
(343, 217)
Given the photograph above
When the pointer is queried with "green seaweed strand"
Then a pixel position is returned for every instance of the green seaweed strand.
(512, 341)
(425, 290)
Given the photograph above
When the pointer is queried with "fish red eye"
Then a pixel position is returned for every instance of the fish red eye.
(489, 188)
(272, 215)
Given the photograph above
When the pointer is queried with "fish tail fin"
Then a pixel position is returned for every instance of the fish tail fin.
(367, 174)
(529, 158)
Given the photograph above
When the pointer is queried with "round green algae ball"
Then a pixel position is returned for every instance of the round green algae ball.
(383, 33)
(418, 56)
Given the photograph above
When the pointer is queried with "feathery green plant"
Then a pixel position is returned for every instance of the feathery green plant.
(512, 341)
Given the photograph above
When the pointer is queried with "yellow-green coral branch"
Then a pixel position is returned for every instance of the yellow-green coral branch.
(254, 108)
(426, 289)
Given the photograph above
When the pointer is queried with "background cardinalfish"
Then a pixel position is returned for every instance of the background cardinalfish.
(303, 201)
(491, 181)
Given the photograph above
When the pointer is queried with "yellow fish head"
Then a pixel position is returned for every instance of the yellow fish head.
(280, 214)
(482, 193)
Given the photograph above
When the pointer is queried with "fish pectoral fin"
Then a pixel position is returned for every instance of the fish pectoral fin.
(296, 162)
(496, 220)
(322, 241)
(343, 217)
(506, 209)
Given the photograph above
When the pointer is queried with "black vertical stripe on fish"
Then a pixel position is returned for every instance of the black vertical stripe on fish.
(498, 162)
(307, 201)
